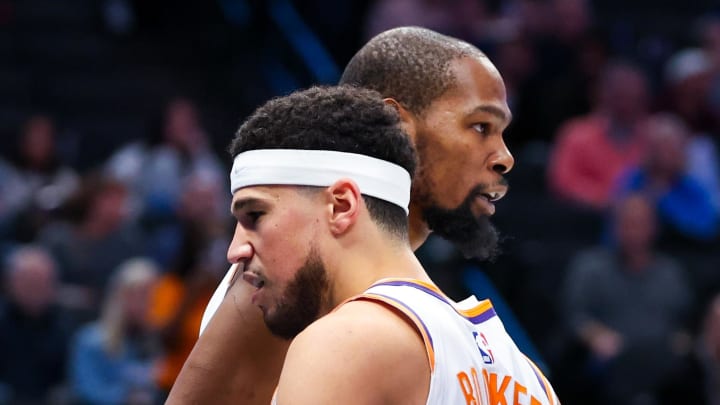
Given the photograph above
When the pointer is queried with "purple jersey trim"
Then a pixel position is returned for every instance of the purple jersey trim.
(395, 300)
(484, 316)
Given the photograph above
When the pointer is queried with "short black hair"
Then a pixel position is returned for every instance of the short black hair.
(409, 64)
(340, 118)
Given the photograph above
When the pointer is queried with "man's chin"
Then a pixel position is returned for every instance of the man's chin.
(284, 328)
(483, 246)
(474, 237)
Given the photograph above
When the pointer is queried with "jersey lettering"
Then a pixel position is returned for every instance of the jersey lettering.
(498, 389)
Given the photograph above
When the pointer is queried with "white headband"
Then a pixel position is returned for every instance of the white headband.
(375, 177)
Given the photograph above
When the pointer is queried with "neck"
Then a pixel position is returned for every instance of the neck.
(418, 230)
(352, 270)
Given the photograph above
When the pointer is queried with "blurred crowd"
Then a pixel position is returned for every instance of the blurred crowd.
(107, 272)
(612, 222)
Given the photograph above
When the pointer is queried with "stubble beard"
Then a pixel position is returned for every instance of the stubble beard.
(303, 301)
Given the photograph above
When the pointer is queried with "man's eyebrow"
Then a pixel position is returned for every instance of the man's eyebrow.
(243, 202)
(493, 110)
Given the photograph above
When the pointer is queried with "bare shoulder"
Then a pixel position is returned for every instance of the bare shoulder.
(235, 360)
(364, 350)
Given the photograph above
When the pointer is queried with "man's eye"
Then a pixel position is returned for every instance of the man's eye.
(253, 216)
(481, 128)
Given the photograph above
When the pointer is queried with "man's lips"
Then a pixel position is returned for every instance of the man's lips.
(483, 206)
(483, 201)
(494, 195)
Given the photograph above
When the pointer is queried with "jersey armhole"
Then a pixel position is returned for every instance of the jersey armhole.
(544, 383)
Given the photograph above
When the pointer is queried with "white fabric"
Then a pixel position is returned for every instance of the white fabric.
(483, 352)
(217, 298)
(375, 177)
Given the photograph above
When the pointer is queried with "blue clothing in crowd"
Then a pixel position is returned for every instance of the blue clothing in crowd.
(686, 206)
(102, 378)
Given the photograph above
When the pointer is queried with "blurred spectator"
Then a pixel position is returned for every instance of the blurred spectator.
(698, 381)
(684, 206)
(689, 75)
(569, 59)
(460, 18)
(560, 48)
(593, 151)
(196, 262)
(155, 171)
(35, 182)
(536, 18)
(35, 333)
(627, 304)
(516, 61)
(112, 360)
(95, 240)
(708, 353)
(709, 32)
(8, 200)
(576, 16)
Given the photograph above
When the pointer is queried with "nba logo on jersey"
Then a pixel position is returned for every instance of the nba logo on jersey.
(482, 346)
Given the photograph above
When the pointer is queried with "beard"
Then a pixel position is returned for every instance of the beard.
(475, 237)
(302, 301)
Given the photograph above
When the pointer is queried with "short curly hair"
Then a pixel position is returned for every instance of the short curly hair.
(409, 64)
(338, 118)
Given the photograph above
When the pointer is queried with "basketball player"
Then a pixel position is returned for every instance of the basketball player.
(321, 187)
(452, 104)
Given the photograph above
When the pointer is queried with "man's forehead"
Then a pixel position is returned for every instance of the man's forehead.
(265, 193)
(477, 87)
(255, 194)
(501, 112)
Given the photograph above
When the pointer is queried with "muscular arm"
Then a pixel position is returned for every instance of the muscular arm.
(236, 359)
(364, 353)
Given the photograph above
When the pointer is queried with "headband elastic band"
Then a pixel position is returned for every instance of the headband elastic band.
(375, 177)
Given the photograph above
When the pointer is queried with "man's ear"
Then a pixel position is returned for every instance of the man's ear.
(407, 118)
(345, 201)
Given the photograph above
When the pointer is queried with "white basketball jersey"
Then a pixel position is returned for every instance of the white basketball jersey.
(472, 358)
